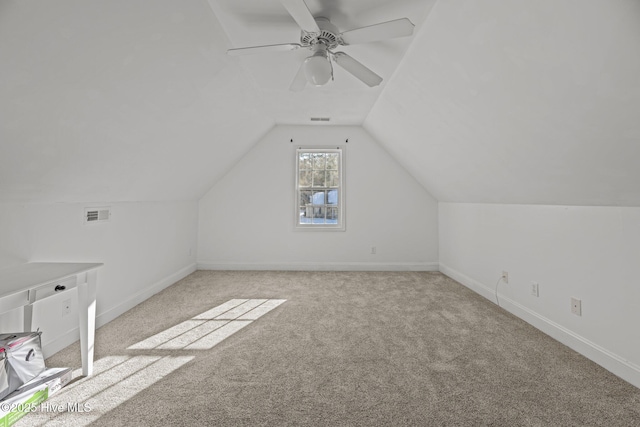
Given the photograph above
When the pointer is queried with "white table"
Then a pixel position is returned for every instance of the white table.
(22, 285)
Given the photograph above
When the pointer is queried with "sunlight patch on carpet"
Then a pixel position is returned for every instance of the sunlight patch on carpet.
(167, 335)
(93, 397)
(217, 311)
(218, 335)
(243, 308)
(204, 331)
(262, 309)
(194, 334)
(117, 379)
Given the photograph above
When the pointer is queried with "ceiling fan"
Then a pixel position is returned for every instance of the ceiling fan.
(321, 37)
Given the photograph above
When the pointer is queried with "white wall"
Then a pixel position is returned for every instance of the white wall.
(590, 253)
(247, 218)
(14, 247)
(145, 247)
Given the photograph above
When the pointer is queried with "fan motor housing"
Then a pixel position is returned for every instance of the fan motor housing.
(328, 35)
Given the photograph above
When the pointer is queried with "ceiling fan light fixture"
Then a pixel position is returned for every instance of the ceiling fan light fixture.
(317, 68)
(322, 37)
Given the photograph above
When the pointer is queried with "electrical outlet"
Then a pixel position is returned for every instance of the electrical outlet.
(505, 276)
(534, 289)
(576, 306)
(66, 307)
(373, 250)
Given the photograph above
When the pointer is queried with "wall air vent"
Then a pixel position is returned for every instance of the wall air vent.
(97, 215)
(320, 119)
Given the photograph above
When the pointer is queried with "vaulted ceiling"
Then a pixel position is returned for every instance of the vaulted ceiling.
(534, 102)
(492, 101)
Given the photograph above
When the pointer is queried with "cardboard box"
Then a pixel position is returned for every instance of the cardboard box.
(28, 397)
(13, 409)
(55, 378)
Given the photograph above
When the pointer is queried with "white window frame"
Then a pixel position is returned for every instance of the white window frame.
(341, 220)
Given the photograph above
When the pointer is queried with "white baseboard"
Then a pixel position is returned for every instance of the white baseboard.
(474, 285)
(617, 365)
(320, 266)
(105, 317)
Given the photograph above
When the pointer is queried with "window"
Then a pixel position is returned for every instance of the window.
(319, 189)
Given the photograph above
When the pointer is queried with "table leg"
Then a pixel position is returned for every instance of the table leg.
(87, 314)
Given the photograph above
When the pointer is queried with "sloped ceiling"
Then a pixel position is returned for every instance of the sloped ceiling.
(493, 101)
(520, 102)
(133, 100)
(118, 101)
(346, 100)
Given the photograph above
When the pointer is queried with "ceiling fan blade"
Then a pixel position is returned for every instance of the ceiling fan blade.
(263, 49)
(385, 30)
(301, 14)
(299, 81)
(361, 72)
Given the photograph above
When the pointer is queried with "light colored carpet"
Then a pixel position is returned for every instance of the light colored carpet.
(345, 349)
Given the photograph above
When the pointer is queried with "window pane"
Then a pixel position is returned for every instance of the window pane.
(305, 161)
(332, 161)
(305, 215)
(305, 198)
(318, 161)
(318, 215)
(319, 198)
(332, 179)
(305, 179)
(319, 178)
(332, 215)
(332, 197)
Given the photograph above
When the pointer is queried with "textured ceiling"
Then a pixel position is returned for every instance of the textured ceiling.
(492, 101)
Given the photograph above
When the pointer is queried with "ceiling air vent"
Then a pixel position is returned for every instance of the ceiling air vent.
(97, 215)
(320, 119)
